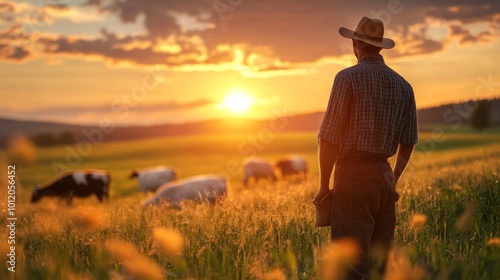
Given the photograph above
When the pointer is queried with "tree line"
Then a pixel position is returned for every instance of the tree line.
(49, 139)
(481, 117)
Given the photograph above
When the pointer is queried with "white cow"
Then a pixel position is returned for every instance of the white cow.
(150, 179)
(258, 168)
(203, 188)
(292, 165)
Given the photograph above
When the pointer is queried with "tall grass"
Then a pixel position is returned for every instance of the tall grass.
(265, 231)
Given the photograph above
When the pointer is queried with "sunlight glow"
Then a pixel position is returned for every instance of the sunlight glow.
(237, 102)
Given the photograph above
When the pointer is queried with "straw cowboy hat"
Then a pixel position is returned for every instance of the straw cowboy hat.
(370, 31)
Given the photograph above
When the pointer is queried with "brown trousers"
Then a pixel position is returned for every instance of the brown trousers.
(363, 208)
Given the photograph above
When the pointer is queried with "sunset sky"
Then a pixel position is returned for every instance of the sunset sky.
(170, 61)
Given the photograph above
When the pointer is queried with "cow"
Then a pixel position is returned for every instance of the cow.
(258, 168)
(202, 188)
(150, 179)
(292, 165)
(81, 183)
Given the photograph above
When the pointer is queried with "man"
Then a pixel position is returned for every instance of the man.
(371, 115)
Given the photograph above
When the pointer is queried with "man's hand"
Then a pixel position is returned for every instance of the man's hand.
(396, 178)
(402, 159)
(327, 154)
(320, 195)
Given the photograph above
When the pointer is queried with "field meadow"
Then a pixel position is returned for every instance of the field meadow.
(448, 216)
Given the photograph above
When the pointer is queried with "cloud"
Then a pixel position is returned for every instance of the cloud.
(465, 36)
(73, 14)
(6, 11)
(416, 39)
(251, 36)
(175, 105)
(11, 40)
(464, 11)
(162, 18)
(12, 47)
(28, 14)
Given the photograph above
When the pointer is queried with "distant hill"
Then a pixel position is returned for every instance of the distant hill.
(9, 127)
(449, 113)
(302, 122)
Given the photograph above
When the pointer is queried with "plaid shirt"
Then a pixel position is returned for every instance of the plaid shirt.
(371, 109)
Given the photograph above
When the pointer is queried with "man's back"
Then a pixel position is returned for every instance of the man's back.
(374, 109)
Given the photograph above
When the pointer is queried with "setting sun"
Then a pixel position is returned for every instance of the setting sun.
(237, 102)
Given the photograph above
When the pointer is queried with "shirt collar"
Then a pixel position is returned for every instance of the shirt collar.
(371, 57)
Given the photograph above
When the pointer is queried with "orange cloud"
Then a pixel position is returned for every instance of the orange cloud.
(282, 36)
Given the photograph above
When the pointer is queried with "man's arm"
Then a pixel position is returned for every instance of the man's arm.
(327, 154)
(332, 130)
(402, 159)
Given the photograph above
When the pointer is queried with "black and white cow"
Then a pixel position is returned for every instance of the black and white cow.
(79, 183)
(202, 188)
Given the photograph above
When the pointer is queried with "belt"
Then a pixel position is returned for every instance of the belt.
(362, 157)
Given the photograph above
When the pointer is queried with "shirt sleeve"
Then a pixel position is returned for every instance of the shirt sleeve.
(334, 125)
(410, 127)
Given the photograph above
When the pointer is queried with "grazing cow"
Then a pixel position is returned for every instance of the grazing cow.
(203, 188)
(292, 165)
(258, 169)
(75, 183)
(150, 179)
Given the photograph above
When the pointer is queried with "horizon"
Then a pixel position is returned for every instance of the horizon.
(142, 65)
(227, 118)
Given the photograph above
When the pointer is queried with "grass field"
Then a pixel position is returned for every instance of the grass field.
(448, 214)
